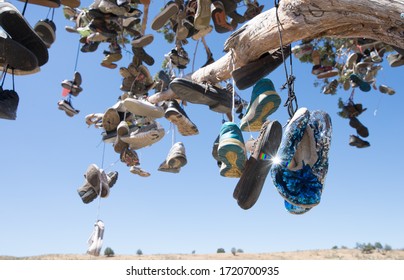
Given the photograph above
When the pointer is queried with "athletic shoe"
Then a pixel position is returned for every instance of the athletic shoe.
(231, 151)
(357, 142)
(141, 107)
(46, 29)
(170, 10)
(218, 99)
(264, 101)
(356, 81)
(142, 41)
(331, 88)
(8, 104)
(360, 128)
(219, 18)
(176, 159)
(95, 181)
(96, 239)
(202, 15)
(14, 55)
(302, 160)
(386, 89)
(66, 106)
(129, 157)
(175, 114)
(144, 136)
(139, 171)
(252, 180)
(17, 27)
(249, 74)
(110, 120)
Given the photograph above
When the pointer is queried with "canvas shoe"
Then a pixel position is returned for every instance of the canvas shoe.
(175, 114)
(66, 106)
(95, 181)
(231, 151)
(219, 18)
(169, 11)
(302, 160)
(357, 142)
(139, 171)
(386, 89)
(176, 159)
(8, 104)
(301, 50)
(265, 147)
(360, 128)
(46, 29)
(129, 157)
(249, 74)
(15, 55)
(144, 136)
(264, 101)
(331, 88)
(202, 15)
(17, 27)
(356, 81)
(96, 239)
(142, 41)
(142, 107)
(395, 60)
(326, 72)
(110, 120)
(218, 99)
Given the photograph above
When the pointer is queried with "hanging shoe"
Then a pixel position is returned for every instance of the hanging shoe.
(142, 41)
(249, 74)
(231, 151)
(129, 157)
(175, 114)
(17, 27)
(66, 106)
(218, 99)
(331, 88)
(302, 160)
(110, 120)
(219, 18)
(170, 10)
(358, 82)
(96, 239)
(215, 155)
(357, 142)
(264, 102)
(94, 183)
(202, 15)
(296, 210)
(360, 128)
(8, 104)
(395, 60)
(144, 136)
(176, 159)
(142, 107)
(248, 188)
(139, 171)
(46, 29)
(44, 3)
(386, 89)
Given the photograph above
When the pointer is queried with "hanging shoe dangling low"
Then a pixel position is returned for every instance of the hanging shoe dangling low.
(302, 160)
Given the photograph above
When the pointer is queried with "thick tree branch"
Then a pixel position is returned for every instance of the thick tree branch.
(300, 19)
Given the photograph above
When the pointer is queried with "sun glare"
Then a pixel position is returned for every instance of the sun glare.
(276, 160)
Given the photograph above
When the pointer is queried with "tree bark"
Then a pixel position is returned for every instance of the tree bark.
(301, 19)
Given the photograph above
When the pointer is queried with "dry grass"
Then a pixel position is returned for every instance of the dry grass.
(337, 254)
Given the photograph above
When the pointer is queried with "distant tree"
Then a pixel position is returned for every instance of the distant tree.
(344, 247)
(334, 247)
(139, 252)
(220, 250)
(368, 248)
(109, 252)
(378, 245)
(387, 247)
(240, 251)
(193, 252)
(233, 251)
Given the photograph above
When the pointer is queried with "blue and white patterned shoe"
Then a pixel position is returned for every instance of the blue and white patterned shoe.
(264, 101)
(302, 164)
(231, 151)
(295, 210)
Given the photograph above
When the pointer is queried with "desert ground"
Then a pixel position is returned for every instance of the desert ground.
(332, 254)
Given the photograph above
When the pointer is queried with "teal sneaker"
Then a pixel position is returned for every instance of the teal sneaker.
(264, 101)
(231, 151)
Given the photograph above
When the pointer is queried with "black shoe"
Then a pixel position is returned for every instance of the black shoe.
(175, 114)
(249, 74)
(218, 99)
(8, 104)
(142, 55)
(360, 128)
(357, 142)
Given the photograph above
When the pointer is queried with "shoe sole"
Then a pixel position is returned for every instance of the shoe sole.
(110, 120)
(232, 155)
(184, 125)
(251, 182)
(17, 56)
(19, 30)
(160, 20)
(257, 113)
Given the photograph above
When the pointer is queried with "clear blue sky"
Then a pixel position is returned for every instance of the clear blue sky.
(44, 155)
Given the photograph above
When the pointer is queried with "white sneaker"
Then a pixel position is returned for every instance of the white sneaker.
(144, 136)
(142, 107)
